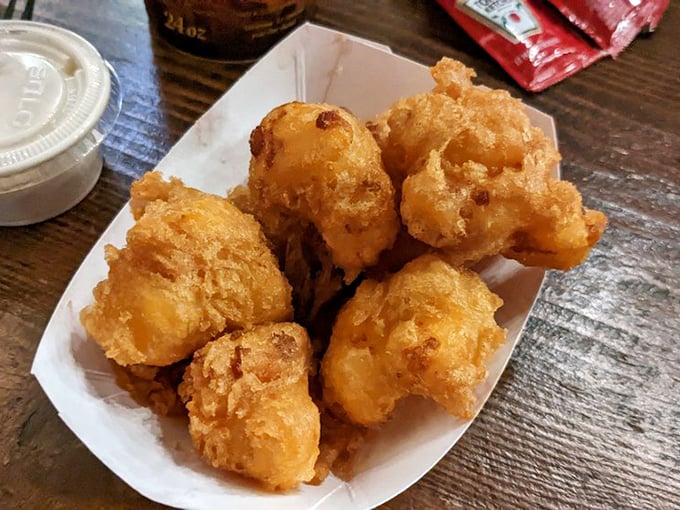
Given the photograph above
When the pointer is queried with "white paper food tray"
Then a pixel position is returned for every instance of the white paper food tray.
(154, 455)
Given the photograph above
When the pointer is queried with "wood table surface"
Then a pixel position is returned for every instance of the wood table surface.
(586, 414)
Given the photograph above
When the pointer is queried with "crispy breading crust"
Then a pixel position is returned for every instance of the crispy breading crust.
(316, 163)
(249, 406)
(426, 330)
(474, 180)
(191, 268)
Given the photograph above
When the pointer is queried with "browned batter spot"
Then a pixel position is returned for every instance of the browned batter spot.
(494, 171)
(419, 355)
(371, 186)
(285, 344)
(327, 119)
(481, 197)
(263, 143)
(257, 141)
(236, 361)
(273, 145)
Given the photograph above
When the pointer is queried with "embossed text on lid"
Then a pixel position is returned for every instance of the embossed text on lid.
(55, 86)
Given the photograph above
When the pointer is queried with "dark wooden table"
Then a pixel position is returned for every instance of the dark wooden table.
(587, 412)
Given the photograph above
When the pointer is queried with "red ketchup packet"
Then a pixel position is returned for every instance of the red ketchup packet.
(612, 24)
(529, 38)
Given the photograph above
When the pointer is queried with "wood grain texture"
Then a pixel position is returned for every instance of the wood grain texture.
(586, 414)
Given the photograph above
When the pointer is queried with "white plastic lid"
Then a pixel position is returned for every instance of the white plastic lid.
(54, 87)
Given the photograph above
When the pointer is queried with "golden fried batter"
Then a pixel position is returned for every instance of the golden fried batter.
(316, 163)
(427, 330)
(151, 187)
(191, 268)
(474, 176)
(249, 406)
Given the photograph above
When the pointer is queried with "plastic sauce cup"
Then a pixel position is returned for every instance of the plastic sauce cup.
(58, 101)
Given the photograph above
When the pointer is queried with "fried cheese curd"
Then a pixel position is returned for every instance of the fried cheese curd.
(317, 164)
(249, 406)
(474, 176)
(192, 267)
(426, 330)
